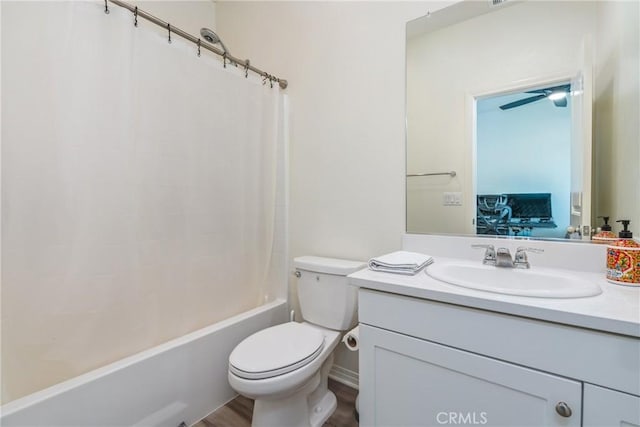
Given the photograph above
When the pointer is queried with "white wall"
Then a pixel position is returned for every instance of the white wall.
(345, 63)
(475, 57)
(526, 150)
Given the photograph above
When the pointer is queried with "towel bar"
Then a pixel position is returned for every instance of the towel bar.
(451, 174)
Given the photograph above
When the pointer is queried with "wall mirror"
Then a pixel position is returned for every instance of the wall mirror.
(514, 118)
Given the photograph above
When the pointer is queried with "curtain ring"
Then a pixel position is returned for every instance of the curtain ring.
(271, 78)
(264, 79)
(169, 28)
(106, 7)
(224, 59)
(135, 17)
(198, 47)
(246, 68)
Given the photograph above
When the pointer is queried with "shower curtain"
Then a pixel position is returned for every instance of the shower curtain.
(138, 189)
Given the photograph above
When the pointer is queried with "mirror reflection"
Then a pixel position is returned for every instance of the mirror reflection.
(507, 104)
(523, 160)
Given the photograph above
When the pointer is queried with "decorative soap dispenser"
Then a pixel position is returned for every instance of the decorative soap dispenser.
(623, 259)
(625, 233)
(605, 235)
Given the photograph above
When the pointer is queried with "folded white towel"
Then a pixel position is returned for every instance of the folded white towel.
(401, 262)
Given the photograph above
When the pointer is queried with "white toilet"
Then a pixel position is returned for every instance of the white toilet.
(284, 368)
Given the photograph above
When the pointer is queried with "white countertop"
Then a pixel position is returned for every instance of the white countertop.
(615, 310)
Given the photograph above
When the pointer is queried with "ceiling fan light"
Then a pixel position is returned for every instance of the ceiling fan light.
(554, 96)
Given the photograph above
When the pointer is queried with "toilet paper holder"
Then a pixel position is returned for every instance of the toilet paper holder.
(352, 339)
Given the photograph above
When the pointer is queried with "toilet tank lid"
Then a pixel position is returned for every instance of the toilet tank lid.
(341, 267)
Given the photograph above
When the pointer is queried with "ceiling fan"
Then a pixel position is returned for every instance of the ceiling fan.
(557, 94)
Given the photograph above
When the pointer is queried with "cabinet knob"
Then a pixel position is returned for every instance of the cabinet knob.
(563, 409)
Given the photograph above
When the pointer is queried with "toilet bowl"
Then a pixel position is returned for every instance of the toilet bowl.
(300, 378)
(285, 368)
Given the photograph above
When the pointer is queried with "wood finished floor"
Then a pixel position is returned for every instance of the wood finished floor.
(237, 413)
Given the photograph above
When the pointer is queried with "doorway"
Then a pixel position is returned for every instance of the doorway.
(523, 162)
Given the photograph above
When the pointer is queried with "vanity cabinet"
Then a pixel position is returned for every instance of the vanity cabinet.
(605, 407)
(427, 363)
(418, 382)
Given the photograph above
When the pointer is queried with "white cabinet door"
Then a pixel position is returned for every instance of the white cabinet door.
(604, 407)
(406, 381)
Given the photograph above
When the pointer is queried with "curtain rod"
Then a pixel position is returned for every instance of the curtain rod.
(201, 43)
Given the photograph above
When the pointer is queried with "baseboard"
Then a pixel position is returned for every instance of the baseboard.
(345, 376)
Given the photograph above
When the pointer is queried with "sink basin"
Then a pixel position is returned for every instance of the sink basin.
(543, 283)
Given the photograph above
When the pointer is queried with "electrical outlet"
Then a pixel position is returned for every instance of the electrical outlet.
(452, 198)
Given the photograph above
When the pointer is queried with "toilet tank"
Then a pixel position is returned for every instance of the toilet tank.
(326, 298)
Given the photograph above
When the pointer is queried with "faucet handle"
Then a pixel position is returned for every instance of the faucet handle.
(532, 250)
(520, 260)
(489, 254)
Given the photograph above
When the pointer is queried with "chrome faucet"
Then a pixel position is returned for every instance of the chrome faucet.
(521, 260)
(502, 257)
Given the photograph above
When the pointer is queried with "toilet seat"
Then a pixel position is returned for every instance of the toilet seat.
(276, 351)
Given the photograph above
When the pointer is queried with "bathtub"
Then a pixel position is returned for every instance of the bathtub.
(182, 380)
